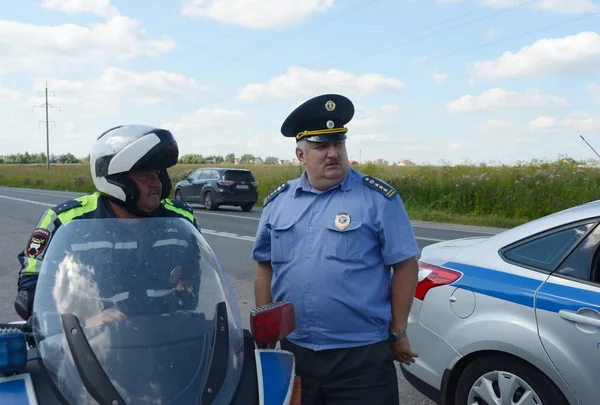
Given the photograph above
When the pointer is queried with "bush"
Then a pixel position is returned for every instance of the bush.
(484, 195)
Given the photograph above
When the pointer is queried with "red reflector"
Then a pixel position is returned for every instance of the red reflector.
(431, 276)
(272, 323)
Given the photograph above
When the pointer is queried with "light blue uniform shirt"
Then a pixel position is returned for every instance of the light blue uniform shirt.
(338, 280)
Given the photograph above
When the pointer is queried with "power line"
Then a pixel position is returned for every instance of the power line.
(46, 105)
(370, 46)
(261, 45)
(457, 52)
(547, 27)
(396, 36)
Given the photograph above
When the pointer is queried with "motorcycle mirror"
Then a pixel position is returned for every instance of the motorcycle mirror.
(272, 322)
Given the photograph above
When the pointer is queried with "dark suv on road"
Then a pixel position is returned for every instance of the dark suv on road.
(213, 187)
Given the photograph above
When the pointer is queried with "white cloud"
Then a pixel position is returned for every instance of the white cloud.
(15, 98)
(211, 131)
(301, 82)
(572, 55)
(555, 6)
(503, 101)
(102, 8)
(46, 48)
(375, 120)
(594, 92)
(440, 77)
(380, 130)
(577, 121)
(492, 32)
(223, 131)
(496, 125)
(117, 87)
(263, 14)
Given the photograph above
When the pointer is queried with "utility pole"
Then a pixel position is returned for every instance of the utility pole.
(46, 105)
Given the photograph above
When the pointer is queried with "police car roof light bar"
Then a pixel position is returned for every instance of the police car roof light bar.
(431, 276)
(13, 351)
(272, 322)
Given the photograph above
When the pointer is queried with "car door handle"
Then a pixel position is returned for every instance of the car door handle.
(575, 317)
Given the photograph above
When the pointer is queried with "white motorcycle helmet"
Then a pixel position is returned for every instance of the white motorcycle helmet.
(131, 147)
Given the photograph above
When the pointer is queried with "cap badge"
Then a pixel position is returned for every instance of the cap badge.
(342, 221)
(330, 105)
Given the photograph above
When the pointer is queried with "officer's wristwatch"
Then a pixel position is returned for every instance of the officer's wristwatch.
(397, 335)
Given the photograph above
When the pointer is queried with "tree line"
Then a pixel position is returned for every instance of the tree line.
(192, 158)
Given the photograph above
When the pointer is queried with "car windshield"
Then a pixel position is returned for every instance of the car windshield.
(137, 311)
(238, 175)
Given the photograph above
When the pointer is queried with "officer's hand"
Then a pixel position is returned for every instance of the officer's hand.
(267, 346)
(103, 317)
(402, 351)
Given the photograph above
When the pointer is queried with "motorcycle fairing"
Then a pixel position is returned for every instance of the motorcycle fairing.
(275, 370)
(17, 390)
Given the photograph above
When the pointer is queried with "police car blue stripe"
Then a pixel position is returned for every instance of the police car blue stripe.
(554, 297)
(521, 290)
(497, 284)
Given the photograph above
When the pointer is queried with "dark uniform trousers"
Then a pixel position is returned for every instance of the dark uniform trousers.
(351, 376)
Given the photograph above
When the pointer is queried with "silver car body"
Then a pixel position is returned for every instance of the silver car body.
(512, 301)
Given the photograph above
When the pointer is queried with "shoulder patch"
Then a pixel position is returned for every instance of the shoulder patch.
(380, 186)
(275, 192)
(67, 205)
(179, 204)
(37, 242)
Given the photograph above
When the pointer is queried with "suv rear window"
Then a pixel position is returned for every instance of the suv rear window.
(238, 175)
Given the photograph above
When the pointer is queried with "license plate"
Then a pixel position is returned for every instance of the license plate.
(244, 186)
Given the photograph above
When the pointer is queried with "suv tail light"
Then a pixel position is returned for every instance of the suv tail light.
(255, 183)
(225, 182)
(272, 323)
(431, 276)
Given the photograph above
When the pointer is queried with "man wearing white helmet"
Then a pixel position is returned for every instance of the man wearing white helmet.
(128, 165)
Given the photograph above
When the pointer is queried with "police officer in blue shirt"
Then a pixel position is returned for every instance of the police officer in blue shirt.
(338, 244)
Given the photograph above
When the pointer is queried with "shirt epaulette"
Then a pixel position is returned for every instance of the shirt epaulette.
(380, 186)
(67, 205)
(273, 193)
(180, 204)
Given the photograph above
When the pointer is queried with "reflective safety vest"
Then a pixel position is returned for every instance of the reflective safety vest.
(88, 206)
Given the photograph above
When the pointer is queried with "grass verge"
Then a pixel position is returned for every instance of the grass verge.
(497, 196)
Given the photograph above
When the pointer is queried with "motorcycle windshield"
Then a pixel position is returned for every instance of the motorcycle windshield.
(137, 311)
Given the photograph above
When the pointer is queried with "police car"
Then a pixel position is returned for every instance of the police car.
(512, 318)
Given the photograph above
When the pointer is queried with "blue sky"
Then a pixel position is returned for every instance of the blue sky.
(432, 80)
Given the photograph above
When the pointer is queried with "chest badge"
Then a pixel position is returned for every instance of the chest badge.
(342, 221)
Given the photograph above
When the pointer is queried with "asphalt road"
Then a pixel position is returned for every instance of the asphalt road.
(229, 231)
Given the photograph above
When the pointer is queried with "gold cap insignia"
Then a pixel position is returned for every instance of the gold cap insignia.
(342, 221)
(330, 105)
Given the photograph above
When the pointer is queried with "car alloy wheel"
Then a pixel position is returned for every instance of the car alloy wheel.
(502, 387)
(504, 379)
(208, 203)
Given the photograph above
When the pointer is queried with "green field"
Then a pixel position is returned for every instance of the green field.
(502, 196)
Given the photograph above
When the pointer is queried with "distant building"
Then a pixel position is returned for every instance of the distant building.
(406, 163)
